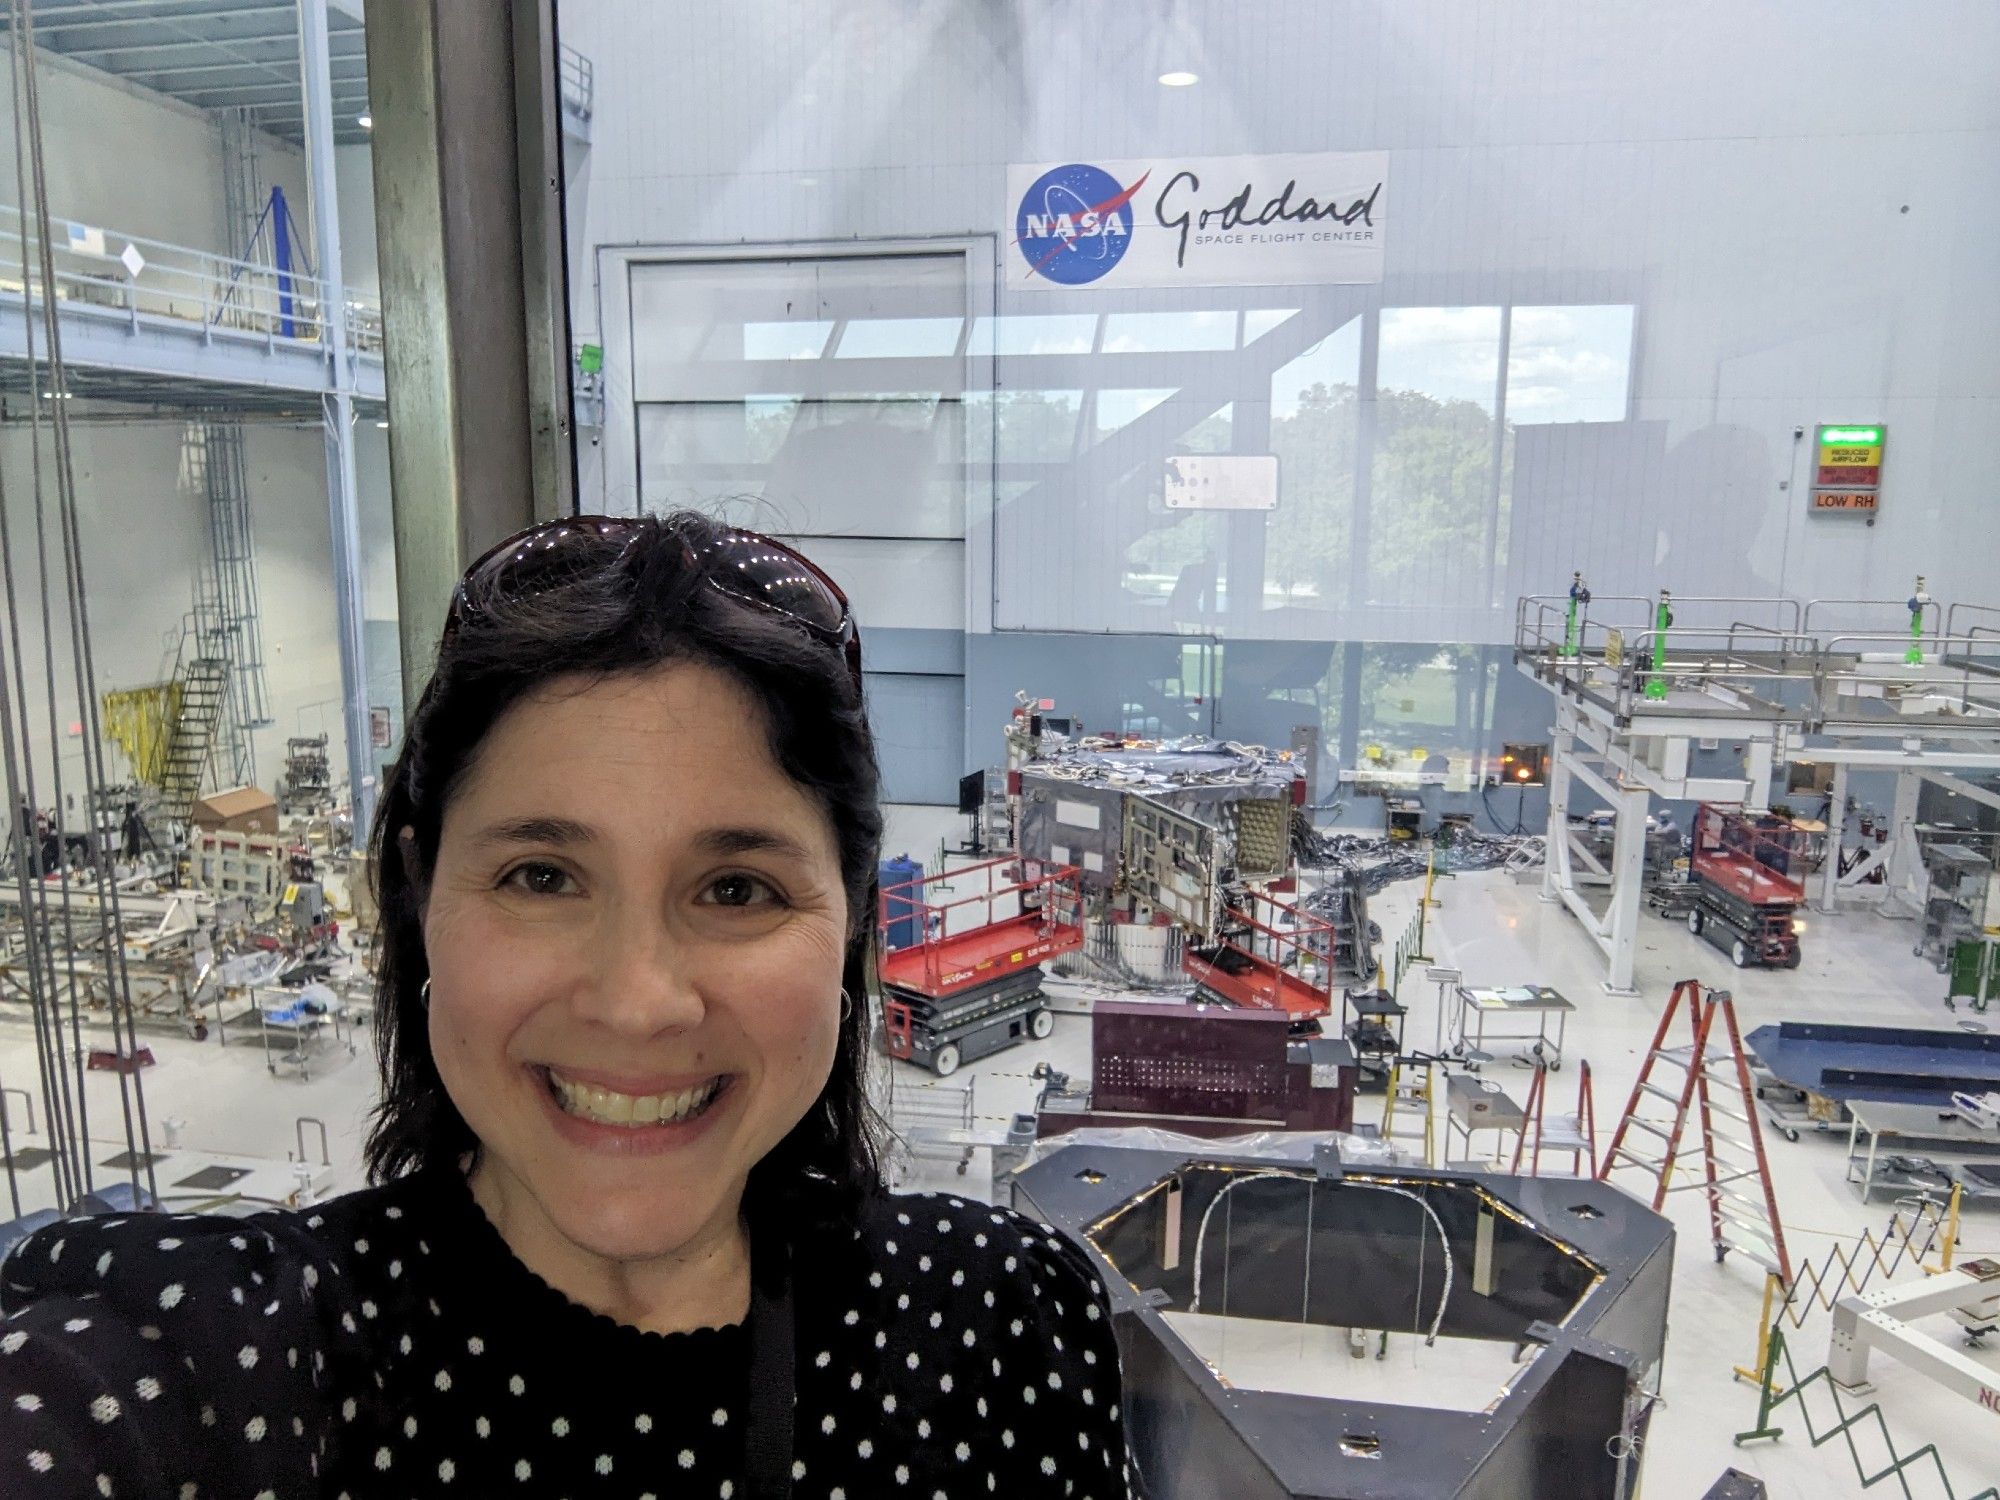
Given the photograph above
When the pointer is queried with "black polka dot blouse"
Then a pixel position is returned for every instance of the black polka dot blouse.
(388, 1343)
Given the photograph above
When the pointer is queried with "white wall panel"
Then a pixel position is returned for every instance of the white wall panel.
(123, 158)
(1795, 200)
(897, 585)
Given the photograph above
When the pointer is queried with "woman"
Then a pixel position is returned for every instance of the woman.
(629, 1237)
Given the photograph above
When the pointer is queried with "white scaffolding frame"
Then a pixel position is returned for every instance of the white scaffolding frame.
(1831, 681)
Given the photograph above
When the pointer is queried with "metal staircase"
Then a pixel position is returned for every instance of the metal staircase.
(227, 624)
(1715, 1080)
(203, 683)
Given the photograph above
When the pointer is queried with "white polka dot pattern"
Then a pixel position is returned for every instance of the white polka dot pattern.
(391, 1333)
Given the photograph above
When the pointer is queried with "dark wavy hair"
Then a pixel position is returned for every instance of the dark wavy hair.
(632, 602)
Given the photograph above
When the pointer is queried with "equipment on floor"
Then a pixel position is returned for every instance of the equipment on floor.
(1267, 954)
(1412, 1087)
(1883, 1319)
(972, 807)
(1736, 1485)
(308, 783)
(1480, 1009)
(1201, 832)
(1473, 1104)
(1372, 1021)
(1575, 1133)
(1975, 972)
(945, 1034)
(1748, 871)
(1961, 901)
(1816, 1399)
(1568, 1293)
(1713, 1079)
(1980, 1110)
(302, 912)
(1811, 1070)
(961, 978)
(1206, 1070)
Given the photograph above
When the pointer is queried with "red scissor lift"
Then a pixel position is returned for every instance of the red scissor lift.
(965, 979)
(1267, 948)
(1749, 878)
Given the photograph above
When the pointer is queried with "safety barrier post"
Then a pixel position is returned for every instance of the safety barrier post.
(1773, 1296)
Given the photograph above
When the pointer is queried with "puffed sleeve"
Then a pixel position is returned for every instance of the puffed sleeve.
(155, 1355)
(1066, 1417)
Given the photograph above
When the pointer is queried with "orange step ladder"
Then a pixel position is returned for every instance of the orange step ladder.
(1576, 1134)
(1715, 1081)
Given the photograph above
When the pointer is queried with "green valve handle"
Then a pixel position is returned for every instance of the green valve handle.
(1579, 600)
(1663, 617)
(1915, 655)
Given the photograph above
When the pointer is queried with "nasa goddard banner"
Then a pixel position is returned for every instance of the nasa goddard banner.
(1198, 221)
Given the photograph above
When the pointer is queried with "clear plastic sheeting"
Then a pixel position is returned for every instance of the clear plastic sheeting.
(1293, 1146)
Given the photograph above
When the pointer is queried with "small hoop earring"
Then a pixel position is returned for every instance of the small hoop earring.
(846, 1004)
(424, 995)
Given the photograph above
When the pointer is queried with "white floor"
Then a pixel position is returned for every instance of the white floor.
(1309, 1359)
(1857, 968)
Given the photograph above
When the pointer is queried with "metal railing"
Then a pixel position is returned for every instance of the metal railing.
(221, 295)
(578, 79)
(917, 932)
(1781, 671)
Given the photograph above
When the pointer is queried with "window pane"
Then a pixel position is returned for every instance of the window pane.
(1569, 364)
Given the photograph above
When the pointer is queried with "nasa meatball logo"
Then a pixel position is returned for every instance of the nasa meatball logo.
(1075, 223)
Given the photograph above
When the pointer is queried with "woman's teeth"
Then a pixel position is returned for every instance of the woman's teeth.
(605, 1107)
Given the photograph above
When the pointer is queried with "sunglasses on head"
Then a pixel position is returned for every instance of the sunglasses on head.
(747, 566)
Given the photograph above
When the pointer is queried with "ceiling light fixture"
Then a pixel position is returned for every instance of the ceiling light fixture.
(1179, 79)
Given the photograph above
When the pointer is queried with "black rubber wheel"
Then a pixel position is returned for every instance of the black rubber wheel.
(1695, 920)
(1792, 1136)
(1793, 959)
(1740, 954)
(1041, 1023)
(944, 1061)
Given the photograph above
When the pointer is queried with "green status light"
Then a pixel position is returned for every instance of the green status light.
(1847, 436)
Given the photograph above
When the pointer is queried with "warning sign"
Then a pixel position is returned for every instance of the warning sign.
(1847, 468)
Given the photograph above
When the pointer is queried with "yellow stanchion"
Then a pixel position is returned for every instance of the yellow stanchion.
(1773, 1287)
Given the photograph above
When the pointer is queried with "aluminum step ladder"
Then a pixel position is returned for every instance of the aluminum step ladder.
(1412, 1084)
(1713, 1079)
(1575, 1133)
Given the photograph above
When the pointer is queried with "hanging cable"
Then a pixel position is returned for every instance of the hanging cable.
(72, 1175)
(1201, 1234)
(131, 1089)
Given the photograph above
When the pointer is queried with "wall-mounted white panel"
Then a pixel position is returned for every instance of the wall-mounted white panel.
(904, 585)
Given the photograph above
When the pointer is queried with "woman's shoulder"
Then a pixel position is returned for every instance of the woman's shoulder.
(178, 1262)
(966, 1243)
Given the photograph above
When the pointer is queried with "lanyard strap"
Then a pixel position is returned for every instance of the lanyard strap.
(767, 1445)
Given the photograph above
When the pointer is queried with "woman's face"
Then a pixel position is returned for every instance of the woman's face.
(635, 928)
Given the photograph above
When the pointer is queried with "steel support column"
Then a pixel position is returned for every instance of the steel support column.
(1562, 749)
(1836, 838)
(343, 510)
(1616, 930)
(468, 212)
(1904, 879)
(1628, 879)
